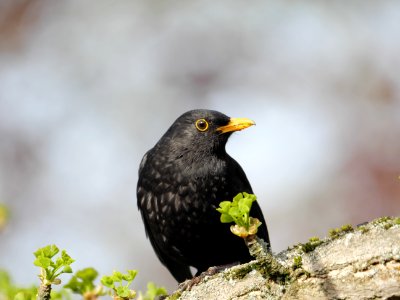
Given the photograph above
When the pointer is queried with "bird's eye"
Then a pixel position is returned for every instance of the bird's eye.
(201, 125)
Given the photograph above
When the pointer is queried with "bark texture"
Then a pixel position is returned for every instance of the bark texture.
(363, 263)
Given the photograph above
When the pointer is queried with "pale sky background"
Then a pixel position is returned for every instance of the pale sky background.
(87, 87)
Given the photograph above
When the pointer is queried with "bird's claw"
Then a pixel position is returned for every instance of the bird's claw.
(188, 284)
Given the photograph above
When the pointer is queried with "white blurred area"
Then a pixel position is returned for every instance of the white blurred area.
(86, 87)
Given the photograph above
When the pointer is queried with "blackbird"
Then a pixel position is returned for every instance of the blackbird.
(182, 180)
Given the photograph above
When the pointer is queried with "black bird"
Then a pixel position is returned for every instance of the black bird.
(181, 182)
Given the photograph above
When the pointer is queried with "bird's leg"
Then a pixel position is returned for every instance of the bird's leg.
(188, 284)
(216, 269)
(257, 247)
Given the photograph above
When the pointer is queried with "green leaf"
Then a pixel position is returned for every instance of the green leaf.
(235, 213)
(60, 295)
(238, 197)
(224, 207)
(20, 296)
(238, 211)
(43, 262)
(74, 285)
(52, 250)
(58, 263)
(117, 276)
(122, 291)
(226, 218)
(82, 281)
(67, 269)
(67, 260)
(247, 202)
(107, 281)
(47, 251)
(131, 274)
(153, 291)
(243, 206)
(50, 266)
(87, 274)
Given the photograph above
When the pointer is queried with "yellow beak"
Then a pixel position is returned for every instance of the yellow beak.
(236, 124)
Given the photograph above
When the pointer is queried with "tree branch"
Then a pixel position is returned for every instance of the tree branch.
(351, 264)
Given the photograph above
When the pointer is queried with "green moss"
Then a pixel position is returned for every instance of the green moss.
(363, 229)
(346, 228)
(297, 262)
(382, 220)
(336, 232)
(386, 222)
(268, 268)
(175, 295)
(314, 239)
(387, 226)
(333, 233)
(240, 272)
(312, 243)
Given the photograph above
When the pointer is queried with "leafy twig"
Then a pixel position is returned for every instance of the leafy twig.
(83, 283)
(246, 227)
(238, 211)
(51, 268)
(120, 290)
(152, 292)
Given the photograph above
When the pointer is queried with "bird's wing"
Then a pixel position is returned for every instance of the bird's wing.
(180, 271)
(143, 162)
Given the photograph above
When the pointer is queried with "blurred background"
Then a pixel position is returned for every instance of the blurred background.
(87, 87)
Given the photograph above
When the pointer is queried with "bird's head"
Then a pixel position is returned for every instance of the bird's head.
(202, 132)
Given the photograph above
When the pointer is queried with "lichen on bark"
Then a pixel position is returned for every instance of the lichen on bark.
(363, 263)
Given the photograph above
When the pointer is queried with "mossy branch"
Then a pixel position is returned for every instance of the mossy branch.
(351, 263)
(257, 247)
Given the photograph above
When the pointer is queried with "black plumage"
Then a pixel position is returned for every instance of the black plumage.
(182, 180)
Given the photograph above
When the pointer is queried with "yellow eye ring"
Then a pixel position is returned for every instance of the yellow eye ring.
(201, 125)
